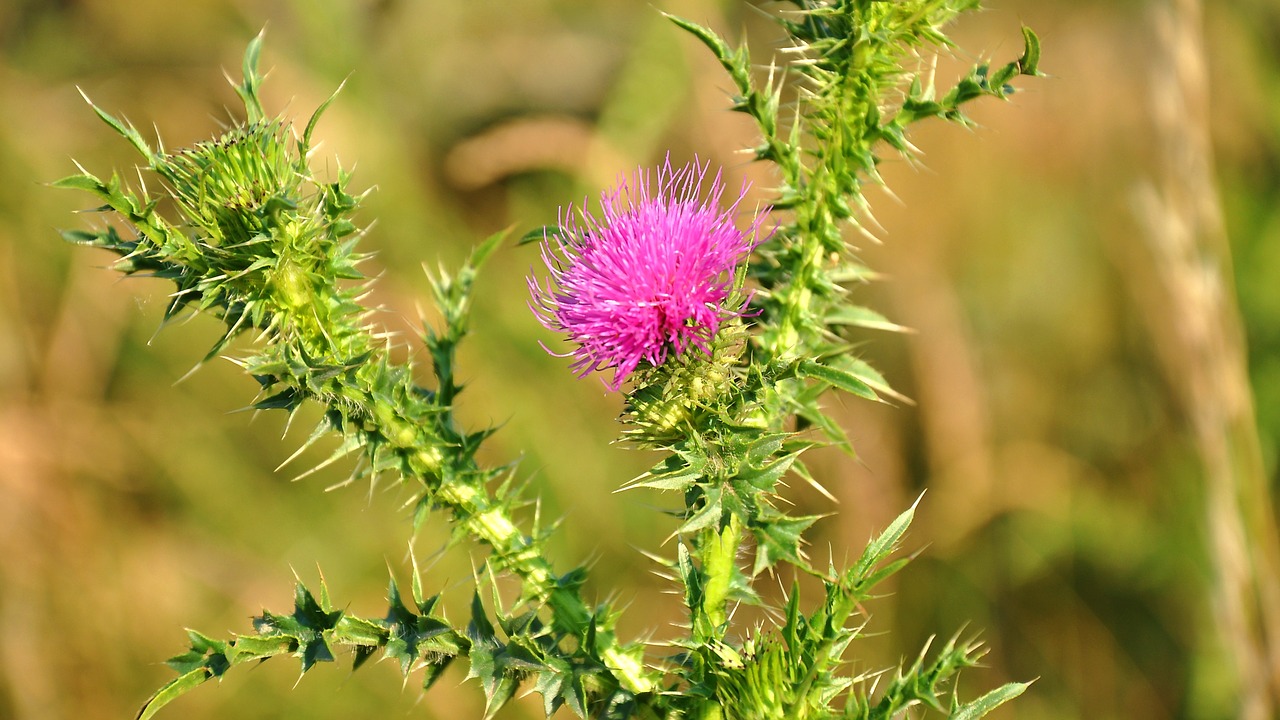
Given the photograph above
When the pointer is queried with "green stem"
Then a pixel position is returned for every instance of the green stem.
(719, 552)
(517, 553)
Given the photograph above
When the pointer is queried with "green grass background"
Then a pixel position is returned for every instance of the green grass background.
(1064, 518)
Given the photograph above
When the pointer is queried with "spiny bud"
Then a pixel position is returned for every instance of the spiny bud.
(685, 391)
(225, 186)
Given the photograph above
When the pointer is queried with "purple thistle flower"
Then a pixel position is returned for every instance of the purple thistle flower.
(648, 276)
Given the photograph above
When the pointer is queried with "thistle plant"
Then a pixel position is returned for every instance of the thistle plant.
(723, 333)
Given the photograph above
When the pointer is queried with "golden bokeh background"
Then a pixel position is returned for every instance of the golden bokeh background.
(1064, 426)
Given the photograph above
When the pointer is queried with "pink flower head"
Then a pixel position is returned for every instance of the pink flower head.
(646, 277)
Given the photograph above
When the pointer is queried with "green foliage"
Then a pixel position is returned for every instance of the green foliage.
(730, 444)
(730, 449)
(270, 249)
(416, 638)
(856, 98)
(795, 669)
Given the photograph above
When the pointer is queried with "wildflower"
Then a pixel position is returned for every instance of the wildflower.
(646, 278)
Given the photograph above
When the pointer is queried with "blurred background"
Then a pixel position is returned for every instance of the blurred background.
(1098, 489)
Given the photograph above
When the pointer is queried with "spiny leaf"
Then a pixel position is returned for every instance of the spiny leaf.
(498, 694)
(1029, 63)
(836, 377)
(858, 316)
(128, 132)
(434, 668)
(261, 647)
(673, 473)
(354, 630)
(880, 548)
(85, 182)
(765, 446)
(690, 577)
(171, 691)
(481, 629)
(707, 516)
(766, 478)
(304, 144)
(708, 37)
(486, 248)
(779, 539)
(204, 652)
(248, 88)
(862, 370)
(988, 702)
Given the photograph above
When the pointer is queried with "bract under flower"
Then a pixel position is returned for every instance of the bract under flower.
(646, 277)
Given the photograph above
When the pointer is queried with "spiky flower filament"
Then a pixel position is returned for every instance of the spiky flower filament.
(646, 278)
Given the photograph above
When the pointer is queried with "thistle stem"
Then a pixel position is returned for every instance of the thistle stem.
(719, 551)
(519, 554)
